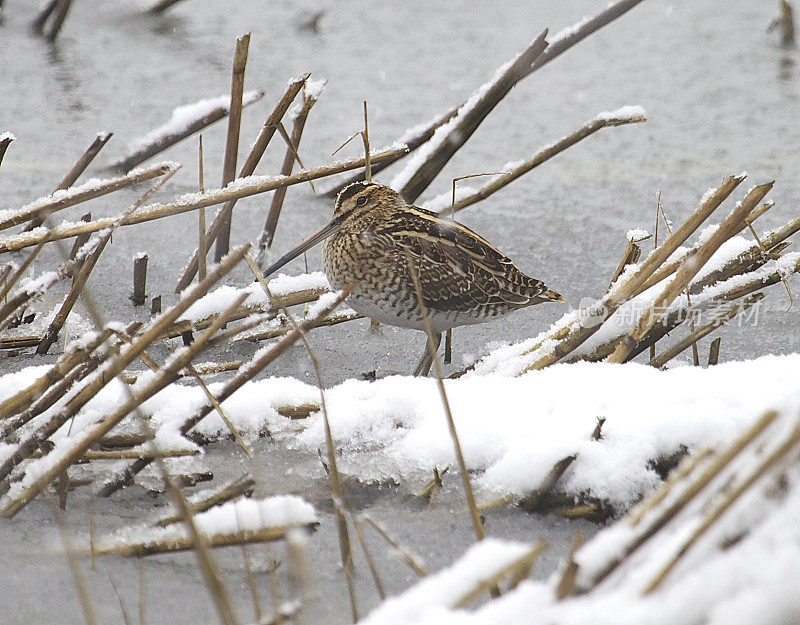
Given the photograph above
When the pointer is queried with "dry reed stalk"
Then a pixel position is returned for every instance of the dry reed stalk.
(131, 454)
(689, 270)
(668, 269)
(475, 516)
(298, 124)
(713, 352)
(5, 271)
(77, 169)
(566, 582)
(215, 196)
(10, 282)
(202, 247)
(116, 365)
(74, 566)
(630, 256)
(82, 276)
(466, 122)
(249, 167)
(4, 143)
(43, 207)
(42, 15)
(161, 6)
(412, 560)
(727, 499)
(171, 545)
(303, 296)
(540, 157)
(232, 140)
(321, 323)
(523, 563)
(345, 546)
(80, 240)
(373, 569)
(59, 373)
(244, 375)
(25, 295)
(139, 279)
(59, 15)
(705, 475)
(165, 141)
(210, 396)
(204, 501)
(576, 33)
(725, 315)
(534, 502)
(78, 283)
(571, 337)
(161, 380)
(130, 377)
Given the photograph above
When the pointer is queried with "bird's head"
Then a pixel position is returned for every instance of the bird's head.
(356, 201)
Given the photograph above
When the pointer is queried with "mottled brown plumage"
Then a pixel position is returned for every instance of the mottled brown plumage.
(462, 277)
(375, 240)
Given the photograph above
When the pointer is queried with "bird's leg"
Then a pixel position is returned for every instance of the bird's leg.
(424, 366)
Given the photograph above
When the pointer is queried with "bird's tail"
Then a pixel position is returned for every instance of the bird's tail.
(550, 296)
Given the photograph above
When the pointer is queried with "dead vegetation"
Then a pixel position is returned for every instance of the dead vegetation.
(37, 461)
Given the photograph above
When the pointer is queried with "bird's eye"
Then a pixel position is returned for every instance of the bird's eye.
(361, 201)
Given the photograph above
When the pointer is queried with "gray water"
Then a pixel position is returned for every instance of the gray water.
(721, 96)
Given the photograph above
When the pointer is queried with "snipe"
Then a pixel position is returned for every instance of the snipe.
(375, 240)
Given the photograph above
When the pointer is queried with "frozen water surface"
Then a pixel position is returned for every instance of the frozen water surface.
(721, 97)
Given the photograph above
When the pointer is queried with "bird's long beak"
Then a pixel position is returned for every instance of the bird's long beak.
(326, 230)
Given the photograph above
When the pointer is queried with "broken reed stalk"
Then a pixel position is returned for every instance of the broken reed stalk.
(232, 140)
(723, 317)
(10, 282)
(365, 137)
(345, 546)
(173, 544)
(161, 6)
(164, 141)
(212, 197)
(706, 474)
(37, 289)
(298, 124)
(5, 141)
(571, 337)
(477, 524)
(80, 240)
(86, 439)
(51, 334)
(713, 352)
(82, 276)
(77, 169)
(630, 256)
(303, 296)
(46, 206)
(249, 167)
(59, 15)
(204, 501)
(575, 34)
(115, 366)
(320, 323)
(139, 279)
(540, 157)
(668, 269)
(373, 569)
(44, 13)
(261, 359)
(71, 358)
(727, 500)
(466, 122)
(689, 270)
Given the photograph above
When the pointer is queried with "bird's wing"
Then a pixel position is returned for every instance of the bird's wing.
(458, 269)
